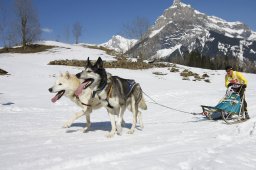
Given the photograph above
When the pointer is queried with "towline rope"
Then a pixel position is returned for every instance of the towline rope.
(182, 111)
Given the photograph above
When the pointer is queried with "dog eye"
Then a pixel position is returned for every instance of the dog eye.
(60, 84)
(89, 71)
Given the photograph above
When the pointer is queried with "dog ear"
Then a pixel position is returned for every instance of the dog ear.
(99, 63)
(89, 64)
(67, 75)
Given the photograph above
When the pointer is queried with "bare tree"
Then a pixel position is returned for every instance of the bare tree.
(29, 26)
(137, 28)
(77, 31)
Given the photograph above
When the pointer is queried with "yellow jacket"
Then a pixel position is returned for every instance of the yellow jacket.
(237, 77)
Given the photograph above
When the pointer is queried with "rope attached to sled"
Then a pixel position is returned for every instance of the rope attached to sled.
(182, 111)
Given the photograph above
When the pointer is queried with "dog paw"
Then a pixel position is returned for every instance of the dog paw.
(130, 132)
(67, 125)
(110, 135)
(119, 131)
(85, 130)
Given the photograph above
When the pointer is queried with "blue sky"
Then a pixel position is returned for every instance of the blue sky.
(101, 19)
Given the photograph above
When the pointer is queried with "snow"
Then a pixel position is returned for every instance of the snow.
(198, 12)
(241, 52)
(252, 36)
(119, 43)
(252, 51)
(166, 52)
(227, 30)
(185, 5)
(229, 35)
(155, 32)
(31, 136)
(223, 47)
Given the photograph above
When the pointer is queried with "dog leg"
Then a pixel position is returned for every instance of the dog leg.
(135, 113)
(120, 120)
(88, 121)
(113, 125)
(140, 119)
(123, 123)
(72, 119)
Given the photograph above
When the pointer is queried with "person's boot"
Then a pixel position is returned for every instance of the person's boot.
(247, 115)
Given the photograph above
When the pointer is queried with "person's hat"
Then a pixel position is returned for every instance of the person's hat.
(228, 68)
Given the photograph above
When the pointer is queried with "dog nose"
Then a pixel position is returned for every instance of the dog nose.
(50, 89)
(78, 75)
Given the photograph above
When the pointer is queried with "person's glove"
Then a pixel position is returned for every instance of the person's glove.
(244, 86)
(230, 84)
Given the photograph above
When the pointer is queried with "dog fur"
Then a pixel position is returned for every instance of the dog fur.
(66, 85)
(110, 90)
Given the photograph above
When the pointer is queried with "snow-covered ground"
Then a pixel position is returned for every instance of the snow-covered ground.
(32, 137)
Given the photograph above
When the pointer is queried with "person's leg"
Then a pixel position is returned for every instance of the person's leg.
(245, 110)
(242, 95)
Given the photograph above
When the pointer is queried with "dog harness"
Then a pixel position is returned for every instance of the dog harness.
(99, 89)
(109, 93)
(88, 105)
(129, 88)
(126, 84)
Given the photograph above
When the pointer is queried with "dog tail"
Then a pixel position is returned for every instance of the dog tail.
(142, 104)
(138, 94)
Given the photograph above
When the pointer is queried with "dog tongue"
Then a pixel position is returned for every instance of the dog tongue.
(79, 90)
(55, 98)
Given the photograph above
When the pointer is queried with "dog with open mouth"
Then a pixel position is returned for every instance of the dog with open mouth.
(115, 94)
(66, 85)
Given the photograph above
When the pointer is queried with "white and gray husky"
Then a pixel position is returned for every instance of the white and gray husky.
(66, 84)
(115, 94)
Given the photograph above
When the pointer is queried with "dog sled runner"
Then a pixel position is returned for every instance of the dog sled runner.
(230, 108)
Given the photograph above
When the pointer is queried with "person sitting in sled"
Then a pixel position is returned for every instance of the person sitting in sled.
(235, 77)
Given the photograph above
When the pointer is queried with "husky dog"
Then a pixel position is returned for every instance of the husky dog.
(66, 84)
(115, 94)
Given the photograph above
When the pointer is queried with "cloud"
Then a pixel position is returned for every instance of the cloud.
(47, 30)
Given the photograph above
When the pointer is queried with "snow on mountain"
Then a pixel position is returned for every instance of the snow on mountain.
(180, 24)
(31, 137)
(119, 43)
(180, 11)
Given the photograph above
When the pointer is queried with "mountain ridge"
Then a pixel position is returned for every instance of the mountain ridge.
(182, 29)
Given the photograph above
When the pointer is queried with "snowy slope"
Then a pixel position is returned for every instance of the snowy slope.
(31, 136)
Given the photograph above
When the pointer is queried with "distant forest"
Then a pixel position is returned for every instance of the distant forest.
(195, 59)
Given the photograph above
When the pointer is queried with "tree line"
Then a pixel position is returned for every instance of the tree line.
(196, 59)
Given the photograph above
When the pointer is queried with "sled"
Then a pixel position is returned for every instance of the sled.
(230, 108)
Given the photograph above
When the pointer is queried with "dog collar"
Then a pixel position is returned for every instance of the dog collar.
(99, 89)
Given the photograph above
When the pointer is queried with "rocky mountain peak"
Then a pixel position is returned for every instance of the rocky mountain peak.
(176, 2)
(119, 43)
(182, 29)
(181, 14)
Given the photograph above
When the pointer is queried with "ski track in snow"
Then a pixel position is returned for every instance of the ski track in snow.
(32, 136)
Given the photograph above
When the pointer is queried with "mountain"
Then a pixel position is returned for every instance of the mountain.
(119, 43)
(182, 29)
